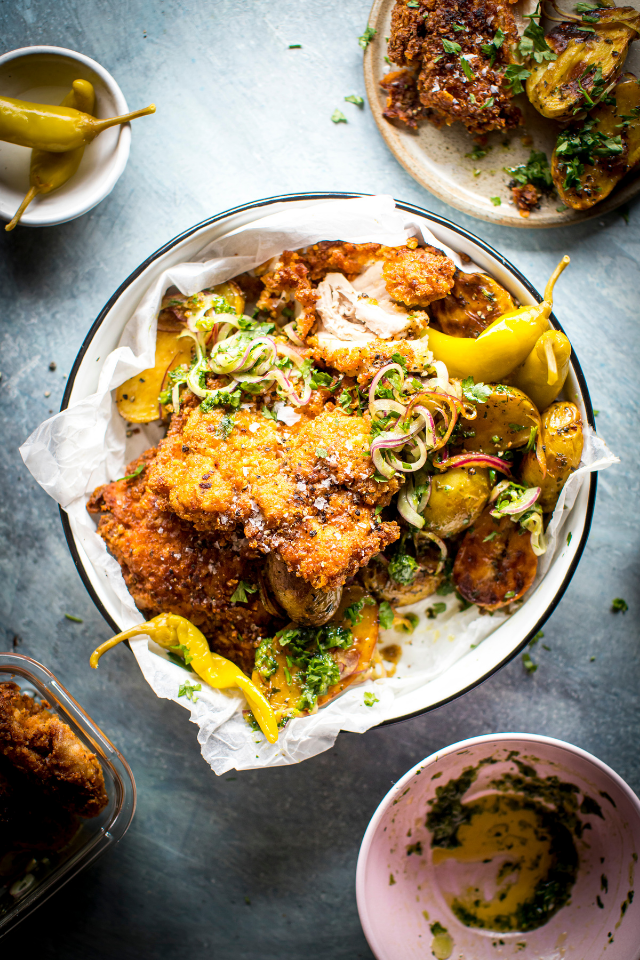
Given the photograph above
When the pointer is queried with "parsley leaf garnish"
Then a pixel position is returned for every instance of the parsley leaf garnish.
(514, 75)
(187, 690)
(366, 37)
(370, 698)
(136, 473)
(354, 98)
(239, 595)
(386, 616)
(475, 392)
(619, 605)
(450, 46)
(466, 68)
(338, 117)
(536, 171)
(533, 42)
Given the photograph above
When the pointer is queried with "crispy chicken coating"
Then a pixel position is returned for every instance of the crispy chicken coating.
(526, 198)
(417, 277)
(474, 92)
(169, 567)
(305, 490)
(38, 743)
(339, 256)
(29, 818)
(403, 98)
(361, 359)
(287, 281)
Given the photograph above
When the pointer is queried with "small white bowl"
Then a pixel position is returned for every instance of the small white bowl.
(397, 914)
(45, 75)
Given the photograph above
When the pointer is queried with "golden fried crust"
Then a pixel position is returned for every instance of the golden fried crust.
(289, 281)
(39, 744)
(482, 102)
(417, 277)
(281, 483)
(362, 360)
(526, 198)
(403, 98)
(169, 567)
(339, 256)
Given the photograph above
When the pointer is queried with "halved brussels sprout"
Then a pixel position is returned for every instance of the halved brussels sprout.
(590, 57)
(562, 439)
(474, 302)
(590, 160)
(504, 422)
(457, 498)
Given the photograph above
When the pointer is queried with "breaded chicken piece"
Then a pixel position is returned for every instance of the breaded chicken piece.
(479, 96)
(417, 277)
(29, 818)
(288, 281)
(169, 567)
(403, 98)
(339, 256)
(38, 743)
(362, 359)
(305, 490)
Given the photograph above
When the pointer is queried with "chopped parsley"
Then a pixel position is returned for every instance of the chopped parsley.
(386, 615)
(353, 612)
(225, 426)
(536, 171)
(73, 619)
(582, 7)
(370, 699)
(475, 392)
(403, 568)
(308, 649)
(367, 37)
(450, 46)
(187, 690)
(491, 49)
(514, 75)
(466, 68)
(322, 453)
(575, 148)
(496, 201)
(295, 46)
(221, 398)
(219, 305)
(435, 610)
(569, 538)
(533, 42)
(528, 663)
(478, 152)
(338, 117)
(136, 473)
(239, 595)
(619, 605)
(490, 536)
(354, 98)
(265, 661)
(184, 653)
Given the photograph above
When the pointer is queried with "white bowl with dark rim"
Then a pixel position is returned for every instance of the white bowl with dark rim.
(402, 894)
(509, 638)
(44, 75)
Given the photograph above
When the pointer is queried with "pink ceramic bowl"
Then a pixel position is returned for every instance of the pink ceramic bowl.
(400, 897)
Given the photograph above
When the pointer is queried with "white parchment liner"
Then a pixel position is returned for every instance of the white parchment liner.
(86, 445)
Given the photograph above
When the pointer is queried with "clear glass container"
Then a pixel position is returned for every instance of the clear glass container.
(47, 872)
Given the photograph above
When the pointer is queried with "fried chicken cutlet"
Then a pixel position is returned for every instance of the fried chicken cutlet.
(39, 744)
(305, 490)
(170, 567)
(455, 54)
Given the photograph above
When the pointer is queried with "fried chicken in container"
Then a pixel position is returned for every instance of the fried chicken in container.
(320, 468)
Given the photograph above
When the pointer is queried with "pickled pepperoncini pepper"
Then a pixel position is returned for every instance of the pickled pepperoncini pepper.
(175, 633)
(49, 171)
(503, 346)
(54, 129)
(543, 374)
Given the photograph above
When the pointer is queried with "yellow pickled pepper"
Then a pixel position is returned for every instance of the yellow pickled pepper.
(55, 129)
(542, 375)
(173, 632)
(503, 346)
(49, 171)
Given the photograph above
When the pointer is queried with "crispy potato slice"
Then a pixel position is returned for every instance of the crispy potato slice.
(504, 422)
(457, 498)
(562, 439)
(581, 184)
(495, 564)
(137, 398)
(588, 61)
(475, 301)
(426, 581)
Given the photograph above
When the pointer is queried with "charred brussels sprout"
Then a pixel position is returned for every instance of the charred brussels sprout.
(423, 569)
(589, 160)
(589, 59)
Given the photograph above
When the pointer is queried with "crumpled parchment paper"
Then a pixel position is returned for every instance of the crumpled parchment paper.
(86, 445)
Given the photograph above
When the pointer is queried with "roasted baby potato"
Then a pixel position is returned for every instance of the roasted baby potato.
(475, 301)
(562, 445)
(137, 398)
(591, 159)
(282, 681)
(495, 564)
(304, 604)
(589, 58)
(405, 578)
(504, 422)
(457, 498)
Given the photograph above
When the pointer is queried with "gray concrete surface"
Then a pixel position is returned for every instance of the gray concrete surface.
(262, 864)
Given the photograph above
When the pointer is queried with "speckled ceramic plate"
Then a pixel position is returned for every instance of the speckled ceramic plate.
(439, 159)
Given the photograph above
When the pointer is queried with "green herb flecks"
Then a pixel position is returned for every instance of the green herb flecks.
(187, 690)
(528, 663)
(70, 616)
(475, 392)
(575, 148)
(533, 42)
(239, 595)
(514, 75)
(403, 568)
(491, 49)
(535, 171)
(366, 37)
(354, 98)
(338, 117)
(450, 46)
(370, 699)
(136, 473)
(386, 616)
(618, 605)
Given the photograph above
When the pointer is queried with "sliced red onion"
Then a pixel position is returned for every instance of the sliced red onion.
(410, 467)
(383, 371)
(424, 499)
(286, 351)
(381, 464)
(476, 460)
(231, 365)
(440, 544)
(289, 329)
(430, 425)
(520, 505)
(533, 523)
(384, 406)
(407, 510)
